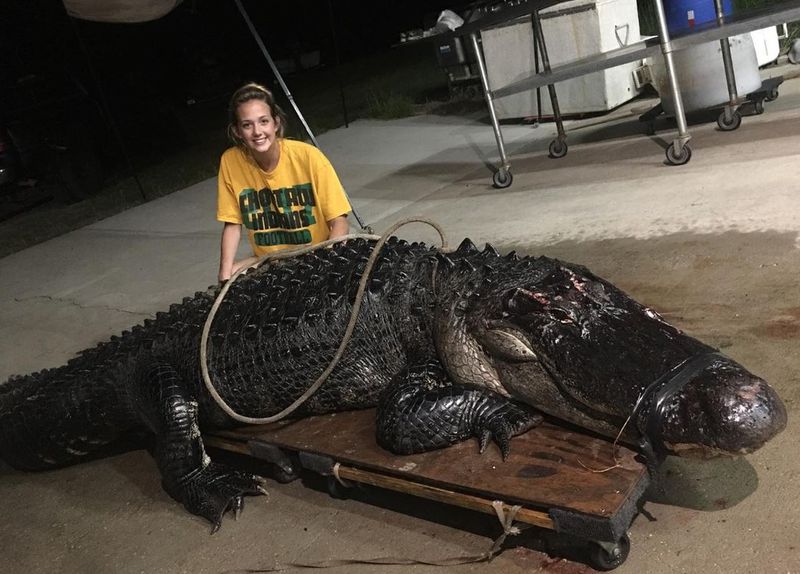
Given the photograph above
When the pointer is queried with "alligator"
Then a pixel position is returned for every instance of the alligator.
(447, 345)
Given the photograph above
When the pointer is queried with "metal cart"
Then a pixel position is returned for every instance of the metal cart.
(678, 152)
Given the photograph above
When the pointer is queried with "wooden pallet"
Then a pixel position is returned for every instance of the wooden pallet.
(552, 473)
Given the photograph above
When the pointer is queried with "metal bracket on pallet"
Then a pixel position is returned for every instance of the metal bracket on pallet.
(274, 455)
(318, 463)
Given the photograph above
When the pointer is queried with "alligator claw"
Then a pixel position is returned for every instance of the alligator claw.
(486, 436)
(507, 422)
(214, 490)
(237, 505)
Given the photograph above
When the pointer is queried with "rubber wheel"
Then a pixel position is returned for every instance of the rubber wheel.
(502, 178)
(337, 490)
(683, 158)
(758, 107)
(558, 148)
(601, 559)
(735, 122)
(772, 95)
(650, 128)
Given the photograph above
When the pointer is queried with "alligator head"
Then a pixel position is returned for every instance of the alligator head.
(571, 344)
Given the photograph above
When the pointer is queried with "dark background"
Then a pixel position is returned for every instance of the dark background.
(100, 98)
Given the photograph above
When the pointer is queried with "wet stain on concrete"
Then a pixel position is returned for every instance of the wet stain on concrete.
(783, 326)
(562, 566)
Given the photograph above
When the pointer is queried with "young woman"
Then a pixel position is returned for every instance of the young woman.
(285, 192)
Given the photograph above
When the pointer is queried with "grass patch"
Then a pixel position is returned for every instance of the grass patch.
(388, 106)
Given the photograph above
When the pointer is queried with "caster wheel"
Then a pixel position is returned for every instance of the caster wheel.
(679, 159)
(758, 107)
(729, 126)
(337, 490)
(772, 95)
(558, 148)
(650, 128)
(605, 557)
(502, 178)
(285, 474)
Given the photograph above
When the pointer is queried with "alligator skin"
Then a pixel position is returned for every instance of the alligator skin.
(448, 346)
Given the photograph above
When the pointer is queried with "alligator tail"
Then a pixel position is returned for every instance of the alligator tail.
(60, 416)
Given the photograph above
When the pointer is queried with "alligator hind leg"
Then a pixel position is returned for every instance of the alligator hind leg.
(422, 411)
(205, 488)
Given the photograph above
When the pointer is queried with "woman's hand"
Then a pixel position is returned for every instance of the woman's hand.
(338, 227)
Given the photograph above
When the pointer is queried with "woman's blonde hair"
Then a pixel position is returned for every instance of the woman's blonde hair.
(253, 91)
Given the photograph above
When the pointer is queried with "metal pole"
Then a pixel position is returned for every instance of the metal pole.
(109, 117)
(487, 93)
(536, 71)
(537, 29)
(669, 63)
(285, 89)
(275, 71)
(727, 62)
(336, 53)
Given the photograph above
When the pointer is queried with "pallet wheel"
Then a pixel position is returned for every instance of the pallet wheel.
(650, 128)
(758, 107)
(558, 148)
(338, 490)
(772, 95)
(605, 556)
(729, 126)
(682, 158)
(502, 178)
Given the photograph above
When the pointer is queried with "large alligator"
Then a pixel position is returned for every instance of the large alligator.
(449, 346)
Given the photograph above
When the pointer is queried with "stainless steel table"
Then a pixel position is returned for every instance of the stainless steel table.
(679, 152)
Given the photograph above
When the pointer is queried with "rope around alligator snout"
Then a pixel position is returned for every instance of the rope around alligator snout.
(362, 285)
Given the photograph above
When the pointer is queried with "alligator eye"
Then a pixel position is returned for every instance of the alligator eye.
(562, 315)
(506, 343)
(522, 301)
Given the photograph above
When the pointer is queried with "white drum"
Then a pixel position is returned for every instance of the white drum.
(701, 74)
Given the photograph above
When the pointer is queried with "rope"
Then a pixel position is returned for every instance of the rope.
(506, 521)
(339, 479)
(348, 331)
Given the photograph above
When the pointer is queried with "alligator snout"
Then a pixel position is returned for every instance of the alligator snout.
(724, 409)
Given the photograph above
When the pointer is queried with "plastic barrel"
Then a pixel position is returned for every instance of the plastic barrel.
(684, 15)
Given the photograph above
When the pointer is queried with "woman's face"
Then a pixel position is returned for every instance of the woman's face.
(256, 126)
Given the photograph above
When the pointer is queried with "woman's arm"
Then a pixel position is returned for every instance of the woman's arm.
(338, 227)
(231, 233)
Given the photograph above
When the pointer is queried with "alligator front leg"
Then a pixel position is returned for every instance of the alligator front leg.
(205, 488)
(422, 411)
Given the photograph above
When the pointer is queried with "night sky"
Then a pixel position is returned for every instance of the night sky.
(60, 71)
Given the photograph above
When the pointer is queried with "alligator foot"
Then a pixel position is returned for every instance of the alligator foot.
(215, 489)
(506, 421)
(415, 417)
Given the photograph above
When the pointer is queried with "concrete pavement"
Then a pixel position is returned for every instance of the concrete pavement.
(713, 245)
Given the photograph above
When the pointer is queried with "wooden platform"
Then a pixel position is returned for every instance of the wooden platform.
(553, 473)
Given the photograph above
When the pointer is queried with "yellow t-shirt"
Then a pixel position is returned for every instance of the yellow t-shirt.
(289, 206)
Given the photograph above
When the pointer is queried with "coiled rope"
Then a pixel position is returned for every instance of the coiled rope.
(362, 285)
